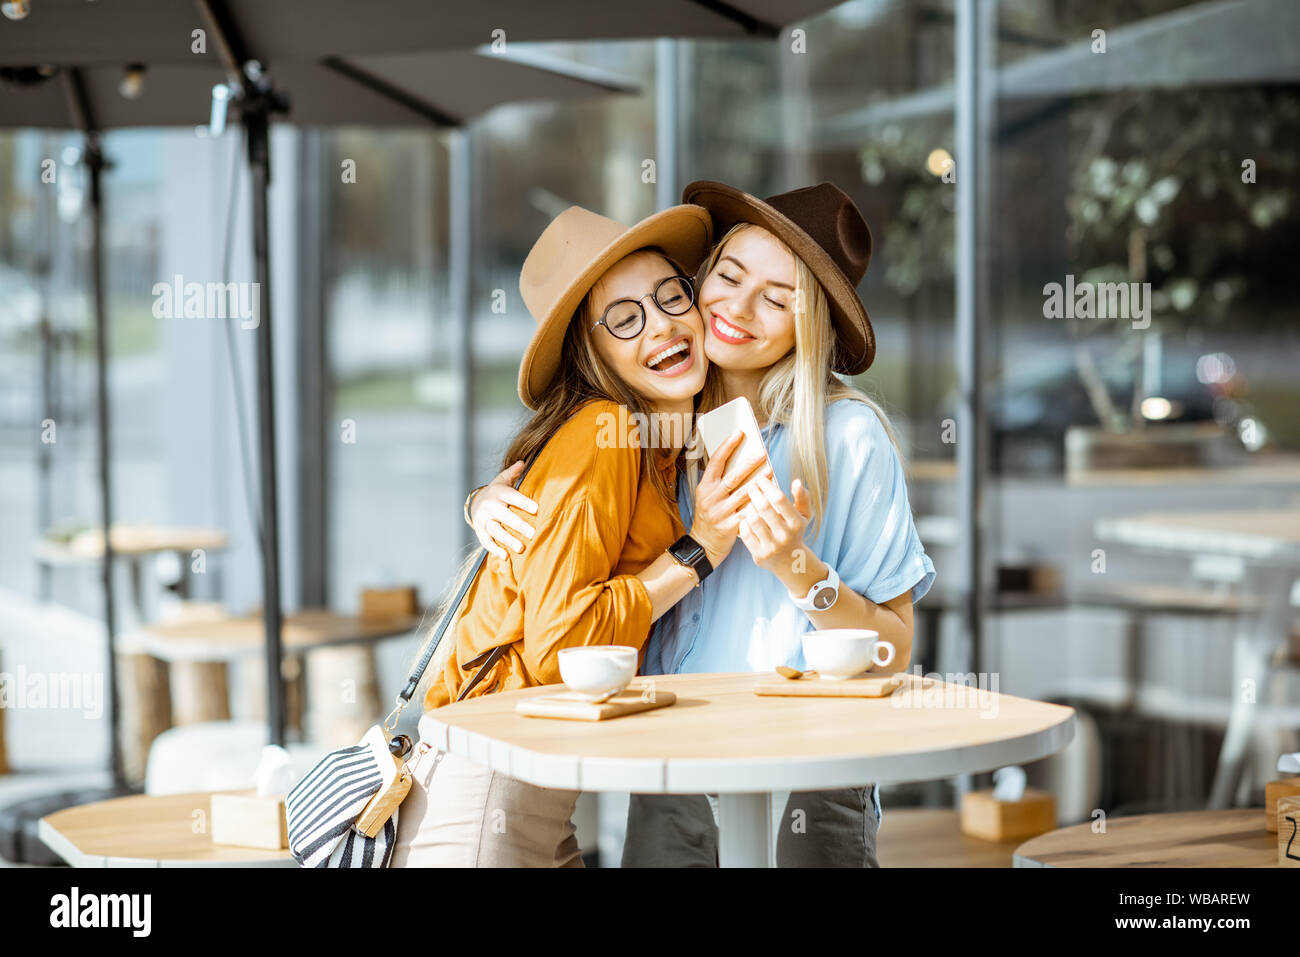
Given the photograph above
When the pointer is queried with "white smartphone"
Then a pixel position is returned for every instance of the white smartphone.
(724, 422)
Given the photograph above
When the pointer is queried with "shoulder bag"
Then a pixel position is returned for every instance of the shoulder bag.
(343, 813)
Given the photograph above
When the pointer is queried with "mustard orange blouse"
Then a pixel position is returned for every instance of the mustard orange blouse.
(599, 522)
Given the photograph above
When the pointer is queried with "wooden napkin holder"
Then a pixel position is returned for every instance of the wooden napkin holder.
(1287, 825)
(246, 820)
(389, 602)
(566, 705)
(1274, 791)
(1029, 578)
(986, 818)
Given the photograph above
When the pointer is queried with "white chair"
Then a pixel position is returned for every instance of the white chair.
(215, 756)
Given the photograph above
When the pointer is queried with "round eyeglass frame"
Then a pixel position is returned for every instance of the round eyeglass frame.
(690, 288)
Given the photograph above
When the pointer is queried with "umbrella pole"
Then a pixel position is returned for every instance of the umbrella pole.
(256, 102)
(95, 163)
(460, 183)
(256, 120)
(20, 822)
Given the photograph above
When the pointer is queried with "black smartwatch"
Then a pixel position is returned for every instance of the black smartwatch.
(687, 551)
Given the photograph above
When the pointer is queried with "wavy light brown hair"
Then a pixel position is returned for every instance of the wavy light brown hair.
(583, 377)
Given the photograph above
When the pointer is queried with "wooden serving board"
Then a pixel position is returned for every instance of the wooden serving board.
(812, 686)
(572, 707)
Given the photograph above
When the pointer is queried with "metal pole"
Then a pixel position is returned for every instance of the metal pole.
(44, 452)
(667, 189)
(796, 118)
(314, 396)
(257, 100)
(95, 164)
(49, 401)
(460, 182)
(974, 37)
(256, 123)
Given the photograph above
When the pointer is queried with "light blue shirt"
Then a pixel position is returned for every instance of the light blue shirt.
(742, 618)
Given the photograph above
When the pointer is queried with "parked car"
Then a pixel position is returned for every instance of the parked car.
(1031, 408)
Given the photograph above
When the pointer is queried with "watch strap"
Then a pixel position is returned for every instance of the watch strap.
(687, 551)
(805, 603)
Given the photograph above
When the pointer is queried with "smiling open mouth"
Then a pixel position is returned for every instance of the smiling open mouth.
(673, 359)
(726, 331)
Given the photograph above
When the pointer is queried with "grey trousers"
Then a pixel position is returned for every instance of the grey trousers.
(818, 829)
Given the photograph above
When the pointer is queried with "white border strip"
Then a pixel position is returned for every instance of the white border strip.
(716, 776)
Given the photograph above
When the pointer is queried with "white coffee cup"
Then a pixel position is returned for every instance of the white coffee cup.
(845, 652)
(598, 669)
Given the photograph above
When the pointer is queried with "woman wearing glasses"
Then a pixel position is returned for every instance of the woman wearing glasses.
(833, 545)
(617, 327)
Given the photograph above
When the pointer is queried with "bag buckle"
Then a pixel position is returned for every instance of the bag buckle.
(394, 715)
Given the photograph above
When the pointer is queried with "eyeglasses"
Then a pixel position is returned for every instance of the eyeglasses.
(626, 318)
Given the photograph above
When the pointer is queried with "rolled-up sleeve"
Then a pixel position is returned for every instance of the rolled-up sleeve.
(568, 582)
(880, 555)
(571, 596)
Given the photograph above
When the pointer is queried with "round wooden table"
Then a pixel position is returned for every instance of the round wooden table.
(721, 738)
(225, 638)
(1233, 838)
(142, 831)
(145, 695)
(200, 647)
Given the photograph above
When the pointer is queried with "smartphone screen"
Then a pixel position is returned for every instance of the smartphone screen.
(723, 422)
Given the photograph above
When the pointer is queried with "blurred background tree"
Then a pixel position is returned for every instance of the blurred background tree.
(1155, 192)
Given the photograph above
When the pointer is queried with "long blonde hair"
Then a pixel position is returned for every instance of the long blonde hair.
(796, 389)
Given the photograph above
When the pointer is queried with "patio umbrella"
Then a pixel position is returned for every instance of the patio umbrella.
(90, 100)
(253, 39)
(161, 31)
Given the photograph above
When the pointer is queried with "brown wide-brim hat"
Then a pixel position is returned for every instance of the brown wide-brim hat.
(827, 231)
(571, 255)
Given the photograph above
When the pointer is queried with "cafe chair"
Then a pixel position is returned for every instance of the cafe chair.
(215, 756)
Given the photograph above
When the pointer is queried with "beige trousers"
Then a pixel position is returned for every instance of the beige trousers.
(461, 814)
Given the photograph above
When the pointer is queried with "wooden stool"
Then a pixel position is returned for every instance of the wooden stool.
(253, 675)
(342, 695)
(146, 709)
(295, 694)
(149, 706)
(200, 691)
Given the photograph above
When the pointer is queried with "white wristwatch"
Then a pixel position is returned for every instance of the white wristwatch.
(821, 596)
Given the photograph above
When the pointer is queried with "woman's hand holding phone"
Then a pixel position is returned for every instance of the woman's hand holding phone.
(492, 511)
(772, 526)
(719, 502)
(720, 499)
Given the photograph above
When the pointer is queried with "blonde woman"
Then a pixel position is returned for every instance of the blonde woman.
(830, 543)
(618, 333)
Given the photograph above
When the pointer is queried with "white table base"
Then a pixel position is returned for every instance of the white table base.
(1259, 637)
(745, 830)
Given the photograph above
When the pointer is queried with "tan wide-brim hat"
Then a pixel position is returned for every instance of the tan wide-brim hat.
(825, 229)
(572, 253)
